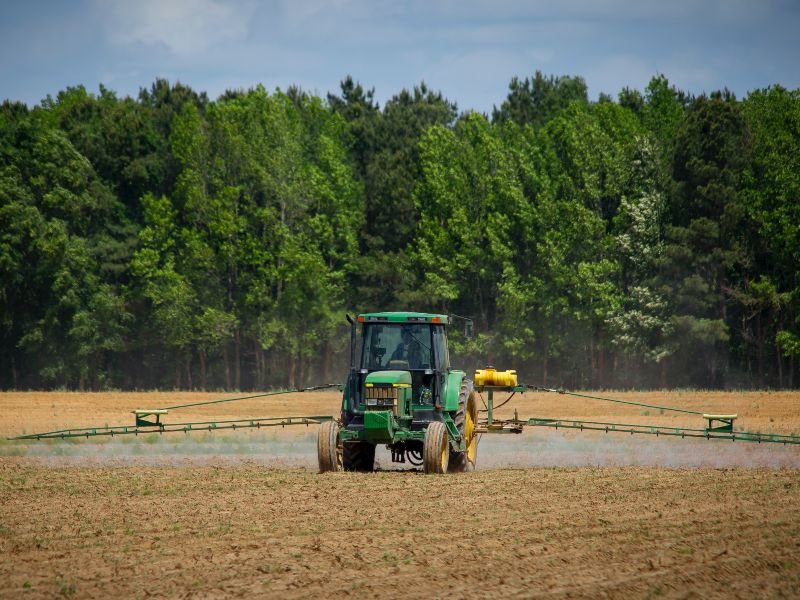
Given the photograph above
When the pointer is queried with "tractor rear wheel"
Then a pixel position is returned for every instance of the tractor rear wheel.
(465, 420)
(358, 456)
(436, 451)
(329, 450)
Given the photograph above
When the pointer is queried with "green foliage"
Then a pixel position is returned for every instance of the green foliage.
(170, 240)
(467, 199)
(772, 176)
(538, 99)
(789, 343)
(662, 111)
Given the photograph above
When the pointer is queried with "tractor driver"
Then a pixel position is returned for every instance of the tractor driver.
(408, 349)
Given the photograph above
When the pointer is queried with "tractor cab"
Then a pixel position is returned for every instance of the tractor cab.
(415, 343)
(417, 347)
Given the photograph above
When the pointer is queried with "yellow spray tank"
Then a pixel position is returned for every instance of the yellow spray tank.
(492, 377)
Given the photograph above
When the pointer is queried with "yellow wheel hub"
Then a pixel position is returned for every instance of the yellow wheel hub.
(471, 438)
(444, 456)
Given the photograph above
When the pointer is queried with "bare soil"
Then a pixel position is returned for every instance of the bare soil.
(212, 517)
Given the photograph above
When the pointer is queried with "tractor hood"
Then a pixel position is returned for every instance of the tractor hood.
(393, 378)
(387, 394)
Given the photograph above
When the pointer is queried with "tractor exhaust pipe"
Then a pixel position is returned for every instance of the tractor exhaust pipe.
(352, 342)
(352, 380)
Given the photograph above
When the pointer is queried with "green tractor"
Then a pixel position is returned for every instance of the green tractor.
(402, 392)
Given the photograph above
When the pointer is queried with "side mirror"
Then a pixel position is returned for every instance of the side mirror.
(468, 325)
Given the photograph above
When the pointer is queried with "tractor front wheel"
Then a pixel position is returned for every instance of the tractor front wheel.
(329, 450)
(436, 451)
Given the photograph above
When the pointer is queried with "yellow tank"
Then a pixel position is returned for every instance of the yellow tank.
(492, 377)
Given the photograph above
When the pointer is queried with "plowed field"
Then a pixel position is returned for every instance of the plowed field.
(548, 513)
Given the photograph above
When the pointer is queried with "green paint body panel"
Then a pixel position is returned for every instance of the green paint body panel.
(400, 379)
(398, 435)
(404, 317)
(451, 389)
(389, 377)
(456, 442)
(379, 426)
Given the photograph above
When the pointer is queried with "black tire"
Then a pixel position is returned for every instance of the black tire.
(435, 453)
(459, 461)
(358, 456)
(329, 451)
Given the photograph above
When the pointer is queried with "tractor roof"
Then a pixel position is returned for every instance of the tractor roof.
(404, 317)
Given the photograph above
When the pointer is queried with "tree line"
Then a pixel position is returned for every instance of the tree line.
(172, 241)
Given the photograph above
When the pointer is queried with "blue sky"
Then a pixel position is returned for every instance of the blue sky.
(468, 50)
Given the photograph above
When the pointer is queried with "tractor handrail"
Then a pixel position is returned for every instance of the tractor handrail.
(631, 402)
(293, 391)
(186, 427)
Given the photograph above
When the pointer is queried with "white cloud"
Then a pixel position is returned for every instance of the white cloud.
(185, 27)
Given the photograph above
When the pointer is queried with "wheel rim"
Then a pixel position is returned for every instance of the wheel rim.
(471, 440)
(444, 455)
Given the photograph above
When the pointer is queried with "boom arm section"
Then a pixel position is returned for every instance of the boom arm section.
(720, 427)
(149, 421)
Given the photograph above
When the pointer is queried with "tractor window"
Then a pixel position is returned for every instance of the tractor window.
(440, 343)
(401, 347)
